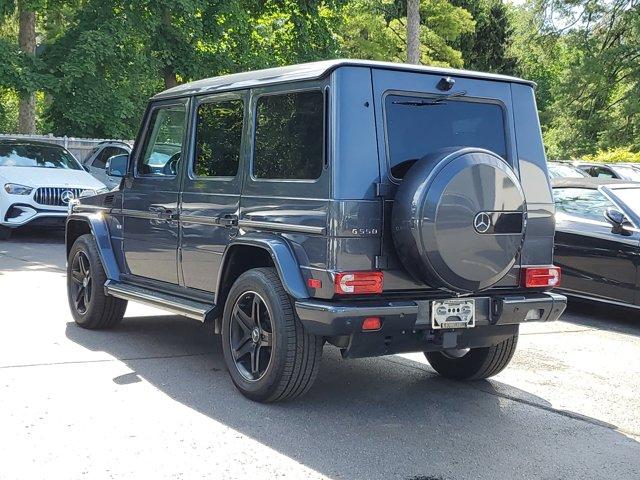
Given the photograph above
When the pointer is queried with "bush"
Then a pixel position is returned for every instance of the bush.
(622, 154)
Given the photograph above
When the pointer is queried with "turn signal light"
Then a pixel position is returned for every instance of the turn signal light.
(540, 277)
(354, 283)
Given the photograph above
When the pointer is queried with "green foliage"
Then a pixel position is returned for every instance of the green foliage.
(486, 49)
(376, 30)
(614, 155)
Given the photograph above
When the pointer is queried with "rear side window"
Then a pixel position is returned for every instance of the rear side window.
(218, 138)
(417, 126)
(289, 143)
(581, 202)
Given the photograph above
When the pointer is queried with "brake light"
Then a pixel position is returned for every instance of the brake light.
(540, 277)
(354, 283)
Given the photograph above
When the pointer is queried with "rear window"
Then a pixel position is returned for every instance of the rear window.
(417, 126)
(289, 141)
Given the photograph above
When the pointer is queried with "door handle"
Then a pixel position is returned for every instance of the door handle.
(164, 213)
(228, 220)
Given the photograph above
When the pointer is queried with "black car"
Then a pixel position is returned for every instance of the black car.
(597, 239)
(372, 206)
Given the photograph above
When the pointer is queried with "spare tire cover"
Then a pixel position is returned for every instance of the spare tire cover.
(459, 218)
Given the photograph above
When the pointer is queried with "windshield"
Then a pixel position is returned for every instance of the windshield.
(417, 126)
(630, 197)
(565, 171)
(628, 173)
(43, 156)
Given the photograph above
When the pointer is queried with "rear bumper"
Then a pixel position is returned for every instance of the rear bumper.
(406, 325)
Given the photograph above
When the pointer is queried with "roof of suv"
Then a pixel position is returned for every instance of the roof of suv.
(311, 71)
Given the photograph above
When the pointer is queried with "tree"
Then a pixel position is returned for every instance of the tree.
(377, 30)
(26, 10)
(486, 49)
(413, 31)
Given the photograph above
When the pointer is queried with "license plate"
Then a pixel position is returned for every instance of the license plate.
(457, 313)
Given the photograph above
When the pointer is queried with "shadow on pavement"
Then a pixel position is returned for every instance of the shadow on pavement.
(29, 249)
(373, 418)
(603, 317)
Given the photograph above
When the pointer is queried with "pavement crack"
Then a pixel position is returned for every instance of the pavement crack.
(105, 360)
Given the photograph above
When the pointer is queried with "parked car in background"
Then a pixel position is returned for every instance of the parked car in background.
(253, 203)
(597, 241)
(97, 160)
(37, 182)
(565, 170)
(612, 170)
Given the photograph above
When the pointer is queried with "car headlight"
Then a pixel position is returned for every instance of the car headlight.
(87, 193)
(16, 189)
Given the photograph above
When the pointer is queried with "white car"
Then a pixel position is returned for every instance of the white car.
(37, 182)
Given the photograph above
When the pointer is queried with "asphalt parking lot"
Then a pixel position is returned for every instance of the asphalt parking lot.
(152, 399)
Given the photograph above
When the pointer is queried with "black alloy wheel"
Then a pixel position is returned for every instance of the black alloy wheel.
(251, 336)
(82, 282)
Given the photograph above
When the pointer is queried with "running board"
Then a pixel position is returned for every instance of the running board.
(172, 303)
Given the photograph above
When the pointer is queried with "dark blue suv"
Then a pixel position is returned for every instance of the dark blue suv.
(381, 208)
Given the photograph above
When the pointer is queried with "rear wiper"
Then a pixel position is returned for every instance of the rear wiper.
(435, 101)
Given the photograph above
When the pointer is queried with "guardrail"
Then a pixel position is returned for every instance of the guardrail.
(79, 147)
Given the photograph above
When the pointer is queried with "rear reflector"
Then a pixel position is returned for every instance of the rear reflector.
(314, 283)
(354, 283)
(540, 277)
(371, 323)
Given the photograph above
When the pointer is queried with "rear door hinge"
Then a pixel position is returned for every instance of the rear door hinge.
(382, 189)
(380, 262)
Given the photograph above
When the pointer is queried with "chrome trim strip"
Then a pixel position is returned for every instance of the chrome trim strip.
(199, 220)
(282, 227)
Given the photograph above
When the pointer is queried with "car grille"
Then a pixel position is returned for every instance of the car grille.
(56, 196)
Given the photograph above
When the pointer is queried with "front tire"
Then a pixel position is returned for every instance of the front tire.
(89, 305)
(269, 355)
(477, 363)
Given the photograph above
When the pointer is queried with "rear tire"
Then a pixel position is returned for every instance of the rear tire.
(477, 364)
(288, 358)
(5, 232)
(89, 305)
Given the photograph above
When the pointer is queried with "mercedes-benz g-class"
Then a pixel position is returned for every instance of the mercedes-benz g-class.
(381, 208)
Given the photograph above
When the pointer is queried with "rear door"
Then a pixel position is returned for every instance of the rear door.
(150, 206)
(211, 187)
(413, 119)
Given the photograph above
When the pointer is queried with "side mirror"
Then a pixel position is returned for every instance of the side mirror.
(617, 219)
(117, 165)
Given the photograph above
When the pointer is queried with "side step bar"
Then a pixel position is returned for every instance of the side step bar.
(172, 303)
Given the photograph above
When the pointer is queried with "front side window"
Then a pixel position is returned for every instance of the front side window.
(581, 202)
(417, 126)
(631, 197)
(36, 155)
(162, 146)
(289, 139)
(218, 138)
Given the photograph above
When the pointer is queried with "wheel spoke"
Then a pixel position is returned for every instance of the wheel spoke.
(255, 360)
(246, 347)
(265, 338)
(243, 319)
(79, 295)
(255, 310)
(86, 297)
(77, 277)
(82, 265)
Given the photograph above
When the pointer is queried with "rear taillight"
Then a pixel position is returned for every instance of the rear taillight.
(541, 277)
(354, 283)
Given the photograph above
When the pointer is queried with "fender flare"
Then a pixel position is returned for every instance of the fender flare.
(283, 258)
(100, 232)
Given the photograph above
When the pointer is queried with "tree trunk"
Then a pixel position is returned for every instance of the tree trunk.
(413, 31)
(168, 72)
(27, 42)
